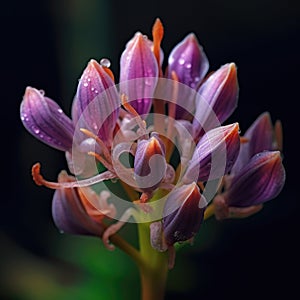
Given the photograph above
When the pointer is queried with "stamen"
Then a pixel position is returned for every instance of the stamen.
(243, 140)
(39, 179)
(141, 123)
(111, 230)
(157, 33)
(99, 141)
(107, 165)
(201, 185)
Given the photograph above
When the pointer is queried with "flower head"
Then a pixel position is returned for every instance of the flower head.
(170, 125)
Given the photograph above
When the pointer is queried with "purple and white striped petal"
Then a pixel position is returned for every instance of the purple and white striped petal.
(45, 120)
(259, 137)
(69, 214)
(188, 61)
(215, 154)
(216, 100)
(97, 102)
(190, 65)
(138, 73)
(260, 180)
(183, 214)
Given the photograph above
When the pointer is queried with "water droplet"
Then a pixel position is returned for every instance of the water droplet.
(35, 130)
(181, 61)
(42, 92)
(60, 110)
(188, 66)
(85, 84)
(105, 62)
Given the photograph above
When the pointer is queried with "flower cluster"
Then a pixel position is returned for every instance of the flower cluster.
(182, 162)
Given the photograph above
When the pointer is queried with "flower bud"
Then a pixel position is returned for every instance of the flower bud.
(215, 154)
(190, 65)
(45, 120)
(217, 99)
(188, 61)
(138, 73)
(260, 180)
(183, 214)
(149, 163)
(97, 102)
(259, 138)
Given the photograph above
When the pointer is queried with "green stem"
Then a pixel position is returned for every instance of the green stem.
(154, 270)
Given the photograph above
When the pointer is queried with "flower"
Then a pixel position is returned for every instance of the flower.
(160, 135)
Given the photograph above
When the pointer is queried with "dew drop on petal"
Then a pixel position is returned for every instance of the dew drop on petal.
(42, 92)
(105, 62)
(85, 84)
(181, 61)
(35, 130)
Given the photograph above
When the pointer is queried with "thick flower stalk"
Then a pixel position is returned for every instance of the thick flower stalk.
(161, 136)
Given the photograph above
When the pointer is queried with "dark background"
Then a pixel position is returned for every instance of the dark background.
(46, 44)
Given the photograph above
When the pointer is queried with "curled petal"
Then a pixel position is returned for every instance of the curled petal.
(70, 215)
(217, 99)
(97, 102)
(260, 180)
(183, 214)
(138, 62)
(215, 154)
(45, 120)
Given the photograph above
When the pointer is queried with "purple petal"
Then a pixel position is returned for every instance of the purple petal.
(97, 102)
(260, 134)
(217, 99)
(183, 214)
(149, 163)
(138, 62)
(69, 214)
(190, 64)
(215, 154)
(260, 138)
(260, 180)
(45, 120)
(188, 61)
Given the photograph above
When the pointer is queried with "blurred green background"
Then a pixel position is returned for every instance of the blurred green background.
(47, 44)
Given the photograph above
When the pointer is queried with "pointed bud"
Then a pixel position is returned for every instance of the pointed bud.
(183, 214)
(260, 180)
(97, 102)
(217, 99)
(259, 136)
(138, 73)
(190, 64)
(215, 154)
(149, 163)
(45, 120)
(188, 61)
